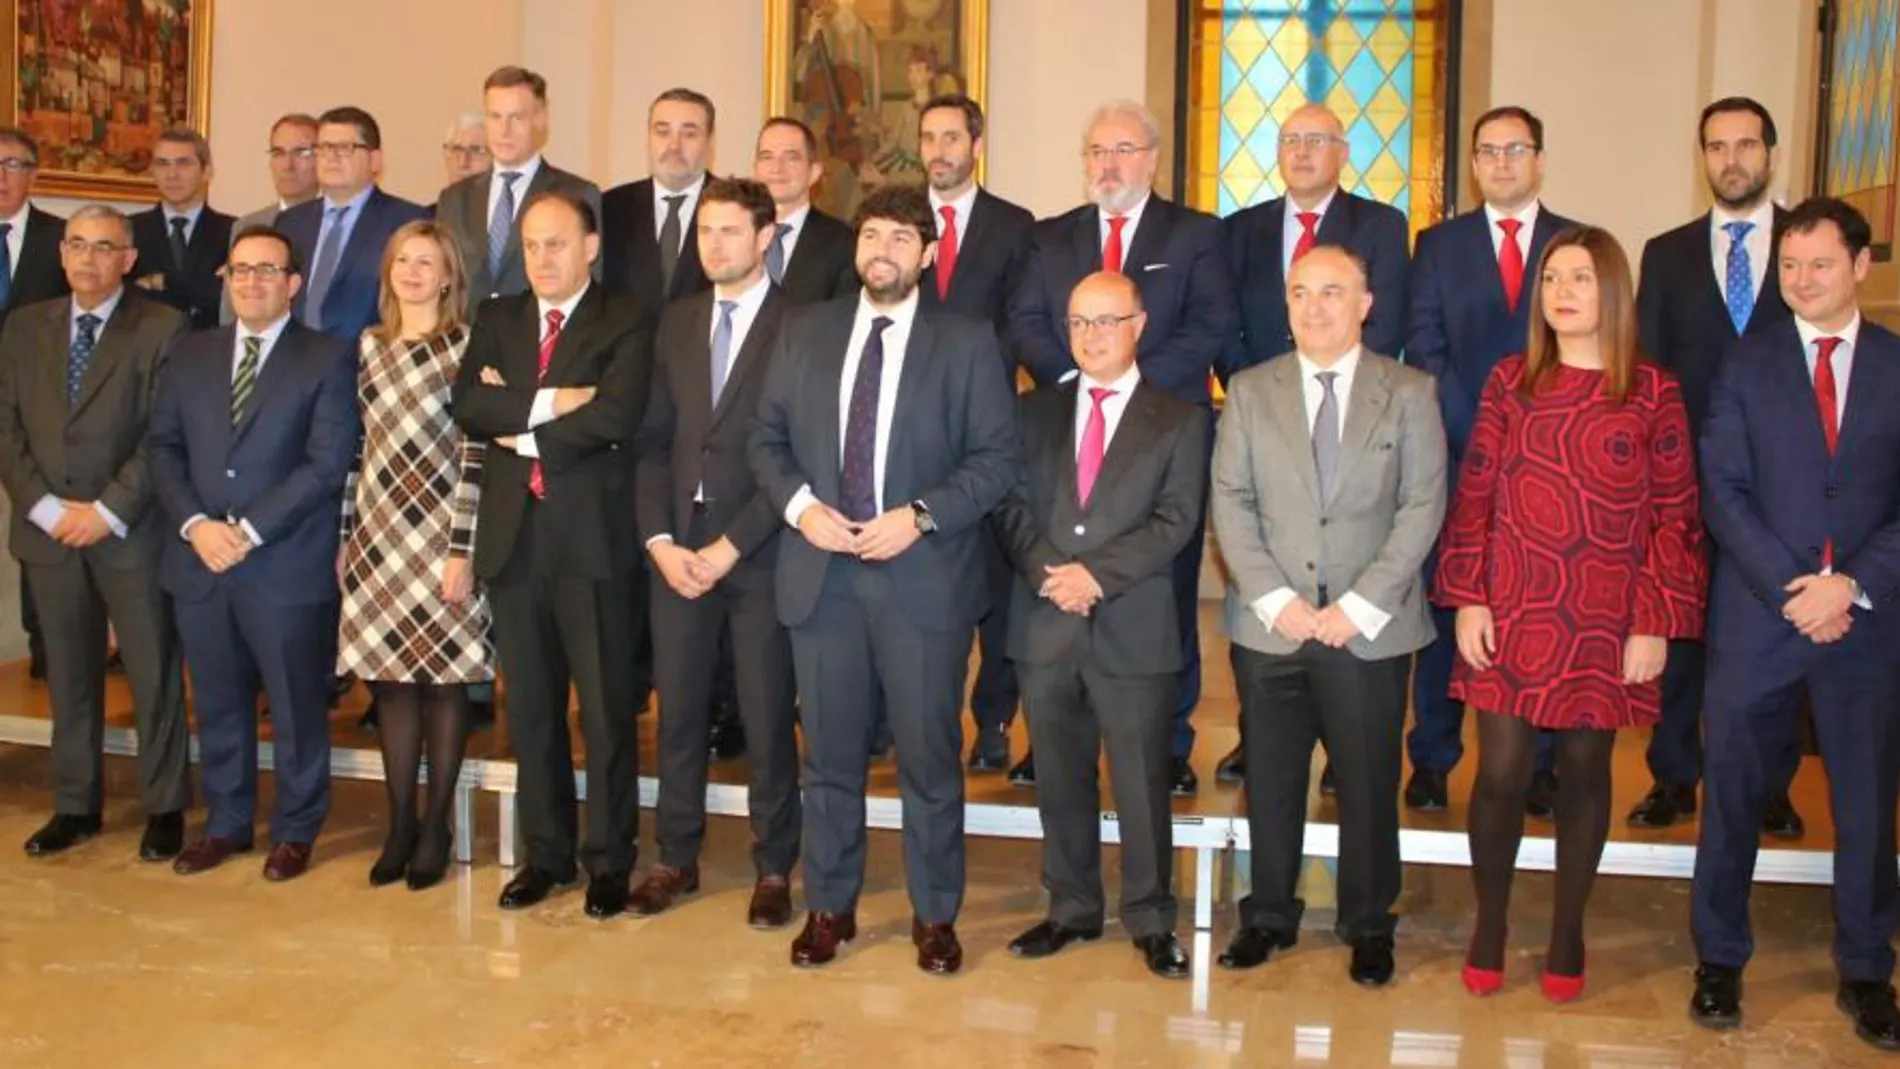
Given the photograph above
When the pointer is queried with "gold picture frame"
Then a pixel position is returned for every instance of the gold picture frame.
(855, 70)
(96, 81)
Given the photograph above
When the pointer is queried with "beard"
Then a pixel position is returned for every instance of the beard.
(1116, 201)
(1749, 194)
(957, 175)
(898, 287)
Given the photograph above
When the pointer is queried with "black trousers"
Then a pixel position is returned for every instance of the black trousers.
(994, 696)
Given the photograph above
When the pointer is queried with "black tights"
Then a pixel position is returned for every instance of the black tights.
(1507, 755)
(411, 714)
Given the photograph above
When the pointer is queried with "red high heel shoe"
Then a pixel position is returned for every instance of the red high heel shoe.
(1482, 982)
(1561, 989)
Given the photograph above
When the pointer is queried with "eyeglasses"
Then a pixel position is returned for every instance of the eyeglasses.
(82, 247)
(1120, 151)
(338, 150)
(1080, 324)
(466, 152)
(172, 163)
(301, 152)
(261, 272)
(1311, 141)
(17, 165)
(1516, 150)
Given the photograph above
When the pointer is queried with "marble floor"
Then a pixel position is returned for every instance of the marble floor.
(107, 962)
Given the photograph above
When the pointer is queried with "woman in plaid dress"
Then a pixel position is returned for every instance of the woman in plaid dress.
(414, 626)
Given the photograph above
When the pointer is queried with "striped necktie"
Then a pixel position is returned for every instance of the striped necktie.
(246, 381)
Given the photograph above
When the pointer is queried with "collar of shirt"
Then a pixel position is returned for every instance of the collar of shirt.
(901, 318)
(796, 220)
(354, 204)
(1763, 217)
(1325, 205)
(527, 169)
(1345, 367)
(961, 206)
(1526, 215)
(1850, 334)
(566, 308)
(269, 334)
(18, 219)
(103, 310)
(748, 303)
(1133, 215)
(1124, 386)
(191, 217)
(691, 193)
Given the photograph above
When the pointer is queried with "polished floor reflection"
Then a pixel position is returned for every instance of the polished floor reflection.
(106, 962)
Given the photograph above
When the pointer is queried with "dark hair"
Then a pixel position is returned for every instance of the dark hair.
(512, 77)
(23, 139)
(590, 221)
(1808, 215)
(747, 193)
(295, 118)
(681, 95)
(1511, 111)
(181, 136)
(972, 111)
(811, 139)
(364, 122)
(1616, 315)
(261, 230)
(1725, 106)
(906, 205)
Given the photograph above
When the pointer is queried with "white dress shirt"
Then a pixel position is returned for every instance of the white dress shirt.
(1112, 407)
(1290, 228)
(1528, 216)
(190, 217)
(16, 237)
(269, 335)
(796, 221)
(687, 208)
(1843, 364)
(46, 512)
(1133, 215)
(896, 340)
(1759, 243)
(527, 170)
(542, 411)
(1367, 617)
(960, 210)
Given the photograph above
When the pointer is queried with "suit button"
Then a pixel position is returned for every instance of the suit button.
(230, 473)
(1309, 565)
(1080, 529)
(1323, 521)
(1832, 491)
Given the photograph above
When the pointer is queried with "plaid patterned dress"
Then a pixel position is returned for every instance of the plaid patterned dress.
(409, 505)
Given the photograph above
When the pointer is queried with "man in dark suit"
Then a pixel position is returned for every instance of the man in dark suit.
(75, 394)
(1468, 308)
(1114, 485)
(713, 537)
(182, 241)
(557, 379)
(1801, 485)
(293, 174)
(812, 257)
(980, 241)
(1178, 262)
(252, 437)
(483, 210)
(884, 436)
(1704, 284)
(341, 234)
(646, 228)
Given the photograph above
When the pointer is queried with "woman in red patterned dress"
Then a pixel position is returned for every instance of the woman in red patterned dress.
(1572, 553)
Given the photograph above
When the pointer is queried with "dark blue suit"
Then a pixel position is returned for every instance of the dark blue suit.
(1458, 326)
(1179, 262)
(272, 618)
(349, 307)
(1773, 497)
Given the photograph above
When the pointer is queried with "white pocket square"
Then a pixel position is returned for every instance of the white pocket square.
(1154, 267)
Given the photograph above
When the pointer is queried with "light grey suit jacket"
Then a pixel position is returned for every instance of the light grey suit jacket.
(463, 209)
(1387, 504)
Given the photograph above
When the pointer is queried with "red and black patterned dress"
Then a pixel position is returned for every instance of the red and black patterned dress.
(1576, 520)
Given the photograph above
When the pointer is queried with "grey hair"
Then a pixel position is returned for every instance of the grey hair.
(88, 212)
(464, 121)
(1134, 109)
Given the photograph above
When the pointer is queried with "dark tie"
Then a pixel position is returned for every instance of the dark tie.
(324, 270)
(1827, 405)
(670, 239)
(502, 223)
(775, 253)
(722, 349)
(858, 486)
(178, 224)
(6, 266)
(80, 355)
(246, 380)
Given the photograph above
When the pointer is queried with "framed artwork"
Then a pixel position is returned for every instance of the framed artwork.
(96, 81)
(859, 71)
(1857, 158)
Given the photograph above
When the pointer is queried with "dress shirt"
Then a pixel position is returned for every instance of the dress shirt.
(796, 221)
(270, 335)
(1759, 243)
(527, 169)
(355, 206)
(1133, 215)
(190, 217)
(1112, 407)
(46, 511)
(542, 411)
(16, 237)
(961, 208)
(896, 339)
(1527, 216)
(687, 207)
(1290, 228)
(1843, 369)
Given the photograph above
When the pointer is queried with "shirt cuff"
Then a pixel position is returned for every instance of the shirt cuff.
(1367, 617)
(543, 409)
(1073, 372)
(801, 501)
(184, 530)
(525, 445)
(657, 539)
(1268, 607)
(46, 512)
(112, 521)
(251, 533)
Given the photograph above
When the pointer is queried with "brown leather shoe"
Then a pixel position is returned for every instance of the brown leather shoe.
(287, 861)
(771, 903)
(824, 933)
(207, 853)
(663, 884)
(938, 951)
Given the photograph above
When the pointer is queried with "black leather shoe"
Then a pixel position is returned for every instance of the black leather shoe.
(429, 862)
(1024, 774)
(1717, 1002)
(393, 863)
(1183, 783)
(63, 832)
(1233, 767)
(1870, 1005)
(164, 837)
(991, 752)
(1165, 955)
(607, 895)
(1663, 806)
(1781, 821)
(1049, 937)
(481, 715)
(528, 888)
(36, 665)
(1253, 946)
(1371, 961)
(1541, 802)
(728, 741)
(1327, 788)
(1426, 792)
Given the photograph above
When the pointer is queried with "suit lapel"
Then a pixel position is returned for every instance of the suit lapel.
(1087, 240)
(696, 408)
(1867, 389)
(828, 380)
(970, 234)
(1151, 236)
(1769, 303)
(279, 365)
(1797, 387)
(1289, 413)
(115, 338)
(475, 225)
(751, 356)
(1365, 408)
(919, 352)
(1272, 242)
(1336, 225)
(1478, 250)
(574, 334)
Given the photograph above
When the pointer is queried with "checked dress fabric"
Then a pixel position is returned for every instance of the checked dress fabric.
(410, 503)
(1576, 520)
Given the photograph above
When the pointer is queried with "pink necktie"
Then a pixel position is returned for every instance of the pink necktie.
(537, 484)
(1088, 463)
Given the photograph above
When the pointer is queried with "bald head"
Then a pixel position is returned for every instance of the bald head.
(1327, 302)
(1105, 325)
(1312, 151)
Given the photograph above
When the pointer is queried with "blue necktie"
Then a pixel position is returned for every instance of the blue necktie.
(1738, 282)
(502, 223)
(722, 349)
(857, 496)
(80, 355)
(6, 266)
(775, 253)
(324, 270)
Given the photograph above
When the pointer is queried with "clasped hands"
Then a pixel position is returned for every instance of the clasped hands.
(1071, 588)
(79, 525)
(692, 573)
(1300, 622)
(566, 399)
(880, 539)
(222, 546)
(1821, 608)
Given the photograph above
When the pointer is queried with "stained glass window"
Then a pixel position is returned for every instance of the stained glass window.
(1380, 65)
(1860, 161)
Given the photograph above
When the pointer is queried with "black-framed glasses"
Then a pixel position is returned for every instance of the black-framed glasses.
(338, 150)
(1078, 324)
(261, 272)
(82, 247)
(301, 152)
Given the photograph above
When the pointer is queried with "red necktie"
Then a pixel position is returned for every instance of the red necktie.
(1112, 251)
(1088, 462)
(1511, 262)
(946, 251)
(1309, 235)
(1825, 400)
(536, 484)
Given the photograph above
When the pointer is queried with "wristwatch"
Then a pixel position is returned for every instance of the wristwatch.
(926, 523)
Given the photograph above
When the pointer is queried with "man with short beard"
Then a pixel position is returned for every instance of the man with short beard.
(1704, 284)
(646, 227)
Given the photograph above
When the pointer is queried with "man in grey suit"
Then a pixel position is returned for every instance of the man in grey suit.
(293, 173)
(1328, 490)
(483, 211)
(76, 388)
(1113, 488)
(884, 436)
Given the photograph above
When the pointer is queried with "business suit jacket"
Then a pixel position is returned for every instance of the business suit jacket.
(463, 208)
(687, 442)
(630, 248)
(952, 445)
(198, 290)
(990, 248)
(94, 448)
(1378, 233)
(1681, 316)
(282, 468)
(1458, 325)
(586, 455)
(349, 308)
(824, 263)
(39, 275)
(1146, 505)
(1388, 499)
(1178, 262)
